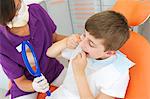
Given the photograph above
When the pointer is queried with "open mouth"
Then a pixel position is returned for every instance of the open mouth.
(86, 53)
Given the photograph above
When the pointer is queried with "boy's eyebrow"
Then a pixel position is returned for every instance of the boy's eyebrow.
(90, 40)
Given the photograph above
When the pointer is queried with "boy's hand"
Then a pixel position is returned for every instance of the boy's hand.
(79, 63)
(40, 84)
(73, 41)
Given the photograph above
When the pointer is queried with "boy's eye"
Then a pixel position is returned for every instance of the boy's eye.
(91, 44)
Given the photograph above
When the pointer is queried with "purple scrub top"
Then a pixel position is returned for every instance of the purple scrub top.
(41, 30)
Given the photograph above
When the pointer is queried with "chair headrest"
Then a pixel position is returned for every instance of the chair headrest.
(136, 11)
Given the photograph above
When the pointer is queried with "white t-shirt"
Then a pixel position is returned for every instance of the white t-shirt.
(109, 76)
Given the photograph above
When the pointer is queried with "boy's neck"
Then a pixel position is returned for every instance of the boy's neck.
(102, 58)
(109, 54)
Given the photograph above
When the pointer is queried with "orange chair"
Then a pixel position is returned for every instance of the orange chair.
(136, 48)
(136, 11)
(43, 95)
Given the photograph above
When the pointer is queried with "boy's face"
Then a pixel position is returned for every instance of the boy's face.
(93, 47)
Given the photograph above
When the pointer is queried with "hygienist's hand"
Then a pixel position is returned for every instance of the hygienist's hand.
(40, 84)
(79, 63)
(73, 41)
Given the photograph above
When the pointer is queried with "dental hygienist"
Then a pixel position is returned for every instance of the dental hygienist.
(19, 22)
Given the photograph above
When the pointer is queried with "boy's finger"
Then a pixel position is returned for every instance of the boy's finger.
(83, 55)
(77, 56)
(74, 43)
(78, 39)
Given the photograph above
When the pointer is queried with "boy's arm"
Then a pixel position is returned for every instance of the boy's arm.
(70, 42)
(56, 48)
(79, 64)
(84, 90)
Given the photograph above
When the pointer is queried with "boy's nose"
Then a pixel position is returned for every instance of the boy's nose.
(82, 45)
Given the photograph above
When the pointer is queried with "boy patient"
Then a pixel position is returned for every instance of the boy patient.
(97, 69)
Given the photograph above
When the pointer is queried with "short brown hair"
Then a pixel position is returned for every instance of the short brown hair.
(7, 12)
(110, 26)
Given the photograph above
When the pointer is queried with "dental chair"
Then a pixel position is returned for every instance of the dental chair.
(137, 49)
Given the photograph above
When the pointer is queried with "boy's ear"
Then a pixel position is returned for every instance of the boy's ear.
(110, 53)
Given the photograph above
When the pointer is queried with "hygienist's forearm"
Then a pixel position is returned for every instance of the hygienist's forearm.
(83, 86)
(27, 86)
(56, 48)
(24, 84)
(58, 37)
